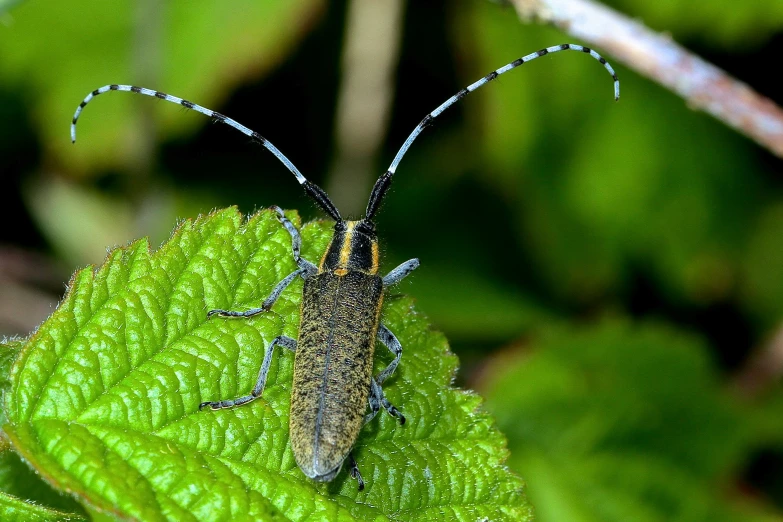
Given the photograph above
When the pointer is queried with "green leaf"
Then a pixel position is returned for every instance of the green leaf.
(13, 509)
(105, 394)
(6, 5)
(763, 289)
(23, 488)
(623, 422)
(9, 349)
(24, 497)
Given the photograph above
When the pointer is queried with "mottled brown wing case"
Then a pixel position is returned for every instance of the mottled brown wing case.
(333, 368)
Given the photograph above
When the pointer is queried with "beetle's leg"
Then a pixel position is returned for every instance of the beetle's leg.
(394, 412)
(375, 402)
(377, 399)
(399, 273)
(306, 269)
(268, 302)
(353, 468)
(306, 266)
(282, 340)
(393, 344)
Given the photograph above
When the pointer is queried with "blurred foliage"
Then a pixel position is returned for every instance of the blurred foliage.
(725, 23)
(624, 422)
(762, 292)
(105, 43)
(587, 224)
(535, 205)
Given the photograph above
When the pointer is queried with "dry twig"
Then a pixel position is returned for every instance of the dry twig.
(656, 56)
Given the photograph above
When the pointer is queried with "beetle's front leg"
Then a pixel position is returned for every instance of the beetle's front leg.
(296, 244)
(305, 270)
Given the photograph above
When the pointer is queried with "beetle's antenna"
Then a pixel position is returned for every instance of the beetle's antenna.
(382, 185)
(313, 190)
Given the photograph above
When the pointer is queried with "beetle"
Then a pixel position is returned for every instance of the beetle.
(341, 306)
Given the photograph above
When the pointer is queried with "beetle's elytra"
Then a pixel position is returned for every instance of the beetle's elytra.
(341, 307)
(330, 404)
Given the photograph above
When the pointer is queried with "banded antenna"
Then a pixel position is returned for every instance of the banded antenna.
(381, 186)
(383, 183)
(315, 192)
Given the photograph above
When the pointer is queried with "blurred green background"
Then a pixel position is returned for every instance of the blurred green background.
(610, 274)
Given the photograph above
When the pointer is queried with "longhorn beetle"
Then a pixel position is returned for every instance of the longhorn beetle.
(341, 306)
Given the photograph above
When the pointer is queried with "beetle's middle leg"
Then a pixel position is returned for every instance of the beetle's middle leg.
(393, 344)
(377, 398)
(282, 340)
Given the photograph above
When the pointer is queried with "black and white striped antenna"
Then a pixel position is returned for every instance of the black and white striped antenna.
(316, 192)
(381, 186)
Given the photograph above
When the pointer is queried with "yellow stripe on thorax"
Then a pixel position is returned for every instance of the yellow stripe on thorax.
(375, 258)
(345, 249)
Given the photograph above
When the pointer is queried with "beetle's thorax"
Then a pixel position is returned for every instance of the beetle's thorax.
(354, 246)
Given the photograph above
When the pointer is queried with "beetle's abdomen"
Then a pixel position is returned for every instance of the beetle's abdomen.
(333, 368)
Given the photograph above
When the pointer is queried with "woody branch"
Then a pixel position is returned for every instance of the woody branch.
(656, 56)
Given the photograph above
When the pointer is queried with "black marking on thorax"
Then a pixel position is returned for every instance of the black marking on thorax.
(354, 246)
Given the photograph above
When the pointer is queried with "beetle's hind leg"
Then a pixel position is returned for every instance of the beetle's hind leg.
(286, 342)
(353, 469)
(378, 399)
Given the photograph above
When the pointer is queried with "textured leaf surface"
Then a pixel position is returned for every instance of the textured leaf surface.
(624, 422)
(104, 397)
(24, 497)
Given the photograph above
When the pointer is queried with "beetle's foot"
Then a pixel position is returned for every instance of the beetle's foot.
(220, 405)
(355, 471)
(232, 313)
